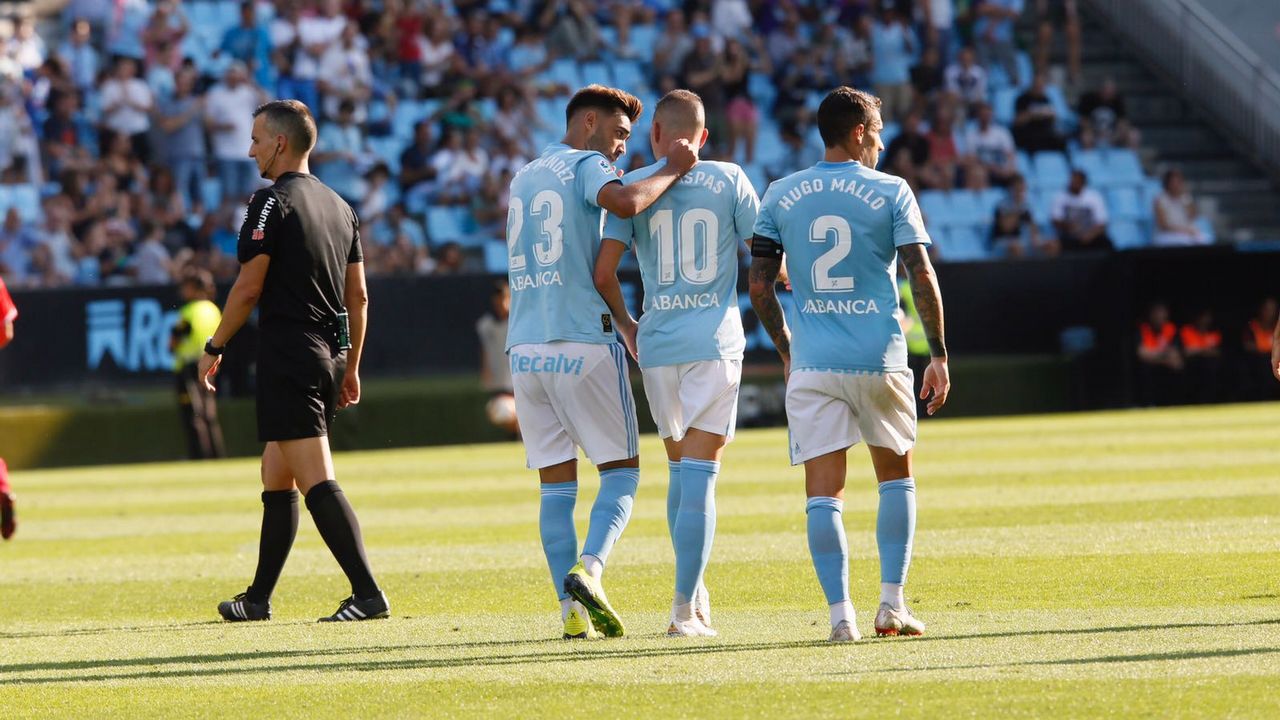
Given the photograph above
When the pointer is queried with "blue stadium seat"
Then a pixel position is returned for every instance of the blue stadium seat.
(1126, 234)
(1003, 104)
(968, 209)
(758, 177)
(1051, 170)
(444, 224)
(1026, 71)
(989, 199)
(1125, 204)
(629, 76)
(1206, 228)
(936, 207)
(388, 150)
(1067, 121)
(891, 130)
(642, 40)
(1094, 164)
(963, 244)
(565, 72)
(495, 257)
(1149, 190)
(596, 73)
(1125, 167)
(761, 89)
(210, 193)
(26, 198)
(1041, 202)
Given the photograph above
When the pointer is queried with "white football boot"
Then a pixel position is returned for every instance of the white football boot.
(844, 631)
(897, 622)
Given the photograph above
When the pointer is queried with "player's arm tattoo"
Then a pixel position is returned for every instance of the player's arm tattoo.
(928, 297)
(763, 278)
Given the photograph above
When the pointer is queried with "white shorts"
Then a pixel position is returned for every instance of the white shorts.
(829, 411)
(702, 395)
(571, 395)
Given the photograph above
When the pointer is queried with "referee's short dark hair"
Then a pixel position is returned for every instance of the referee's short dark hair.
(201, 281)
(600, 97)
(291, 119)
(843, 110)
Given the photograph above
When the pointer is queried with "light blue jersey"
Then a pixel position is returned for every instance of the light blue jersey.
(687, 244)
(840, 226)
(553, 237)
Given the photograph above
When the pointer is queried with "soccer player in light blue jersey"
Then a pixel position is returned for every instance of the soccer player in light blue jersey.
(689, 342)
(843, 226)
(568, 371)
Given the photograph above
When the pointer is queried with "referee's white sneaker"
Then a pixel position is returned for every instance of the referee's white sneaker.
(240, 609)
(894, 621)
(354, 609)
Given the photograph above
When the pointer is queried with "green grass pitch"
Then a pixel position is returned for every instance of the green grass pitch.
(1117, 565)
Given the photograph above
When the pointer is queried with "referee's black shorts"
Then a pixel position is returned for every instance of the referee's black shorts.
(299, 382)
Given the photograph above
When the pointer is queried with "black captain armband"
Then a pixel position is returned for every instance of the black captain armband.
(767, 248)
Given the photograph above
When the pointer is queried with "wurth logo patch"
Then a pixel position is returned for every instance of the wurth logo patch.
(260, 232)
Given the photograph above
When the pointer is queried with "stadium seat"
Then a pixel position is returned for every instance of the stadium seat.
(968, 210)
(758, 177)
(1051, 170)
(495, 256)
(1125, 204)
(936, 207)
(1026, 70)
(564, 72)
(761, 89)
(1067, 121)
(26, 199)
(1206, 229)
(1124, 167)
(1126, 234)
(891, 130)
(1041, 202)
(628, 74)
(962, 244)
(444, 224)
(1094, 164)
(642, 40)
(989, 199)
(210, 193)
(388, 150)
(1003, 105)
(595, 73)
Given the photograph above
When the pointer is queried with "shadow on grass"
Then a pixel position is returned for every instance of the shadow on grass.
(72, 632)
(569, 652)
(1091, 631)
(1101, 660)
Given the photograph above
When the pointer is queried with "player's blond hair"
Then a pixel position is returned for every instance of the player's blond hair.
(600, 97)
(681, 111)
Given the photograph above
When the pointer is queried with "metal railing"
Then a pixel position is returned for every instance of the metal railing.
(1210, 64)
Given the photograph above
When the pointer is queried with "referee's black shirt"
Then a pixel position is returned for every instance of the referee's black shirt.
(311, 235)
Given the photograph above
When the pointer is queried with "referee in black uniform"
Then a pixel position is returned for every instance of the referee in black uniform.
(301, 265)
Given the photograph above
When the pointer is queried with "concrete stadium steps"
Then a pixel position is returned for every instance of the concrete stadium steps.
(1176, 133)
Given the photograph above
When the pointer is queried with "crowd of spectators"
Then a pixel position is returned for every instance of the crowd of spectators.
(123, 136)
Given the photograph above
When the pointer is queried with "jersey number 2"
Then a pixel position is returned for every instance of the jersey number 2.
(550, 208)
(824, 229)
(692, 221)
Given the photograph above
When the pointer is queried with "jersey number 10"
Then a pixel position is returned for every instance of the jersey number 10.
(549, 207)
(694, 222)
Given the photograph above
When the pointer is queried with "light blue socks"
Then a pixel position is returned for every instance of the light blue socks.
(611, 511)
(828, 546)
(673, 498)
(895, 527)
(559, 538)
(695, 524)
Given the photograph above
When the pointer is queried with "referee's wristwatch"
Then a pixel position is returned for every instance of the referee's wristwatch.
(211, 349)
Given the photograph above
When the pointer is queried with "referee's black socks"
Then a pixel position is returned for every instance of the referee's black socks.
(337, 524)
(279, 528)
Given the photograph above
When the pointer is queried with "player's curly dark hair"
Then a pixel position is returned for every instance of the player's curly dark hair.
(292, 119)
(844, 109)
(600, 97)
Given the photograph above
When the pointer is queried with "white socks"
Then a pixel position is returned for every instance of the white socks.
(565, 604)
(682, 612)
(593, 566)
(842, 610)
(891, 593)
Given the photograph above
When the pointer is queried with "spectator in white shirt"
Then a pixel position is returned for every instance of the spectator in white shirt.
(991, 144)
(126, 106)
(731, 18)
(315, 34)
(967, 78)
(438, 56)
(26, 46)
(345, 74)
(1080, 217)
(229, 107)
(1175, 214)
(341, 154)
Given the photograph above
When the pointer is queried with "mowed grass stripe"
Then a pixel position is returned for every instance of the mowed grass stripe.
(1101, 555)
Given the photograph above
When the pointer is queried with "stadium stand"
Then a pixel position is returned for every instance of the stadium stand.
(485, 75)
